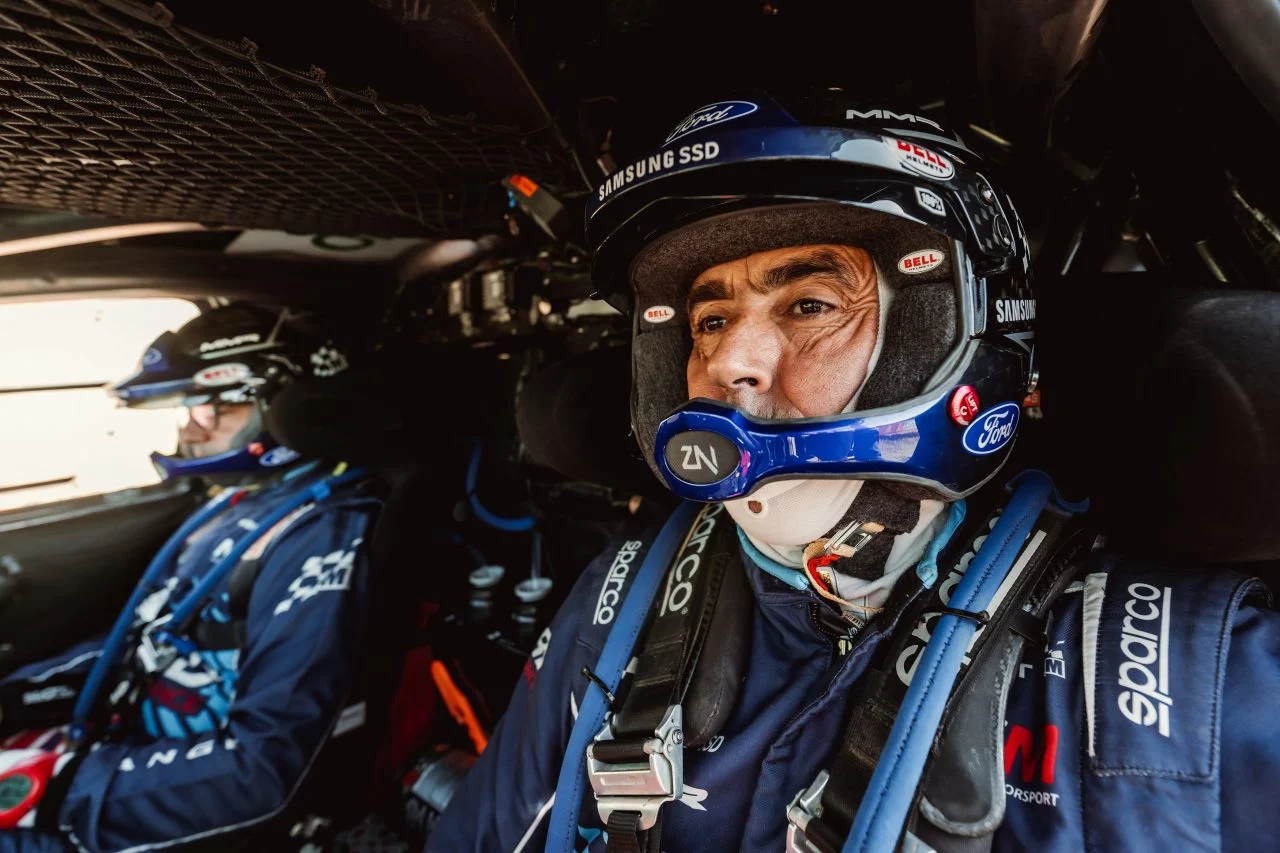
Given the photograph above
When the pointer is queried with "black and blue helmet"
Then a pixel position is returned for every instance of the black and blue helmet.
(235, 354)
(942, 405)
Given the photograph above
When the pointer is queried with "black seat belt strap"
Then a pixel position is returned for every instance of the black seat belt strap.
(636, 763)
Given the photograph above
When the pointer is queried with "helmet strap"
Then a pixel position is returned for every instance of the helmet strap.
(858, 545)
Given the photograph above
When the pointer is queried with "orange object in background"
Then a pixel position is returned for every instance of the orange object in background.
(523, 184)
(459, 705)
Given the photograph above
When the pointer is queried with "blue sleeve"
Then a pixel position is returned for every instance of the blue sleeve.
(1250, 752)
(305, 623)
(42, 694)
(30, 841)
(503, 803)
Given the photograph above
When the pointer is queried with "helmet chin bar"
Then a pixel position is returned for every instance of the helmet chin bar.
(710, 451)
(260, 455)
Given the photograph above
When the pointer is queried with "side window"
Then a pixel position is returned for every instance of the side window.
(61, 435)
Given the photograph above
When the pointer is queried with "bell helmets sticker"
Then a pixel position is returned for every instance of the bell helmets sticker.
(991, 430)
(659, 313)
(922, 161)
(716, 113)
(222, 374)
(921, 261)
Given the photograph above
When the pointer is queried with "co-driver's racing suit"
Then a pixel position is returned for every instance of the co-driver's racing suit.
(222, 738)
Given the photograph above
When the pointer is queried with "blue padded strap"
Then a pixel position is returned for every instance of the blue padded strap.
(887, 802)
(562, 829)
(115, 641)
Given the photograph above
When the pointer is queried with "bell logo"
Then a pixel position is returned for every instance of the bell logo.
(222, 374)
(1021, 743)
(659, 313)
(922, 161)
(920, 262)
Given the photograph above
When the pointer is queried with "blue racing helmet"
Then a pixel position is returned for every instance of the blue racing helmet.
(235, 354)
(942, 405)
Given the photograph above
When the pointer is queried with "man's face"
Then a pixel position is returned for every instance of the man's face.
(212, 428)
(787, 333)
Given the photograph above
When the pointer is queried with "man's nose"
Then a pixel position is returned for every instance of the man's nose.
(192, 433)
(745, 357)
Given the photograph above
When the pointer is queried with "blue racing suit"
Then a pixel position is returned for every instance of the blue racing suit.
(1147, 722)
(223, 737)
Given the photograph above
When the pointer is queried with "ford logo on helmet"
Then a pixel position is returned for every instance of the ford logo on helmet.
(709, 115)
(991, 430)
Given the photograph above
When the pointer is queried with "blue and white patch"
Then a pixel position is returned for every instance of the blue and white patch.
(330, 573)
(278, 456)
(152, 357)
(992, 429)
(716, 113)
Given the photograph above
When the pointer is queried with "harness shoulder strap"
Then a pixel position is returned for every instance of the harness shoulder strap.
(635, 760)
(563, 823)
(704, 595)
(996, 565)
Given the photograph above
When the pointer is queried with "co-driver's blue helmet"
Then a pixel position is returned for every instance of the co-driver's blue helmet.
(942, 405)
(238, 353)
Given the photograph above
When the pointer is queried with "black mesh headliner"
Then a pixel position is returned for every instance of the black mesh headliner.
(112, 109)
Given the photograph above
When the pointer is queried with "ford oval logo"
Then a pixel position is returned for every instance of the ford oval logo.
(992, 429)
(277, 456)
(709, 115)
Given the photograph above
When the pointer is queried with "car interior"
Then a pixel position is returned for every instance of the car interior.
(414, 175)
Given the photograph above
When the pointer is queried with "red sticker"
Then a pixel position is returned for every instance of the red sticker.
(964, 405)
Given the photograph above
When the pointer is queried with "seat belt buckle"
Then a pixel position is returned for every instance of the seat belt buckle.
(803, 813)
(638, 776)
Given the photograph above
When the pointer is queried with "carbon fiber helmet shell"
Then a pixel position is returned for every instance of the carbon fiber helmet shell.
(743, 176)
(238, 353)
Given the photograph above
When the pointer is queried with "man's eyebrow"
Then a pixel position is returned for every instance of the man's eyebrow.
(707, 290)
(816, 263)
(819, 262)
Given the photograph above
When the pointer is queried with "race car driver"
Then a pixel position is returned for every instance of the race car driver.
(200, 716)
(832, 346)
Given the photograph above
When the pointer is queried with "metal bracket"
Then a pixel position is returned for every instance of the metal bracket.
(641, 786)
(864, 530)
(804, 807)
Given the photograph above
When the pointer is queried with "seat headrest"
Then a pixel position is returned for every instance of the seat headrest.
(1162, 404)
(575, 418)
(349, 417)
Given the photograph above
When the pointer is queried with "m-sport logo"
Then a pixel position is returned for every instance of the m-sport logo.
(1144, 672)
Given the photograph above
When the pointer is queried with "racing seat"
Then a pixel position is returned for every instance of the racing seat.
(1161, 404)
(353, 417)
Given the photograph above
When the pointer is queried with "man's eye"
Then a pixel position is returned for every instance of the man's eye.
(711, 324)
(809, 306)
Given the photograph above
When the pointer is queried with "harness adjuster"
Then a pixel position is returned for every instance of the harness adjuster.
(805, 831)
(643, 785)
